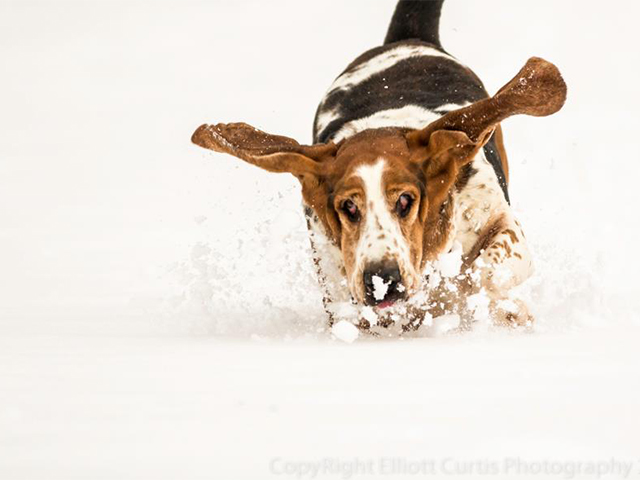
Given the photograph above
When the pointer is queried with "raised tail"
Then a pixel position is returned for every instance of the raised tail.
(416, 19)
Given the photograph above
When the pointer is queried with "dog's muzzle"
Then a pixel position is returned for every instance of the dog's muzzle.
(383, 284)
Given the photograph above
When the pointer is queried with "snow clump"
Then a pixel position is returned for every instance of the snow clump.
(345, 331)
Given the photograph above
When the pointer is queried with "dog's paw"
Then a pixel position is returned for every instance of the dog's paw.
(512, 313)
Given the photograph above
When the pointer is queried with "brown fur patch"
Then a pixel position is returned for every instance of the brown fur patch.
(512, 235)
(493, 228)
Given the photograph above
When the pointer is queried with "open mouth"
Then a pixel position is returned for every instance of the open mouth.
(383, 293)
(385, 304)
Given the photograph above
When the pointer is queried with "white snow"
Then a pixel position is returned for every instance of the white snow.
(438, 326)
(159, 313)
(344, 310)
(369, 314)
(380, 287)
(345, 331)
(448, 264)
(479, 305)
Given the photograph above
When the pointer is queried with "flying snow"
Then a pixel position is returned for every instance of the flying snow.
(380, 288)
(345, 331)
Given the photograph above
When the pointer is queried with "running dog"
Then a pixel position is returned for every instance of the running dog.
(405, 185)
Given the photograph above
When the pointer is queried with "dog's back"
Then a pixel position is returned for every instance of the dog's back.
(408, 82)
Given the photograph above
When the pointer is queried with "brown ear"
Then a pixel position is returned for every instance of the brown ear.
(538, 89)
(449, 143)
(446, 153)
(273, 153)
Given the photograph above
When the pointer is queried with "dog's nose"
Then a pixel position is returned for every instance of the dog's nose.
(381, 282)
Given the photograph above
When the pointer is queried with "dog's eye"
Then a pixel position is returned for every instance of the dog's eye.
(351, 210)
(403, 205)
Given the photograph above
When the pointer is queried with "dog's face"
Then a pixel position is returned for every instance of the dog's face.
(379, 197)
(381, 200)
(381, 194)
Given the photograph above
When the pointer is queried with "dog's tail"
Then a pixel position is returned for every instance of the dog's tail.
(416, 19)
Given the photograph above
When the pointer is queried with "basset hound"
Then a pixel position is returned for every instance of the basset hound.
(405, 185)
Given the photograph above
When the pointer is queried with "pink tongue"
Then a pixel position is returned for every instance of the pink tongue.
(385, 304)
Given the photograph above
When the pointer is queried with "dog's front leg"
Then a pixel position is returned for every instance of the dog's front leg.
(499, 261)
(329, 268)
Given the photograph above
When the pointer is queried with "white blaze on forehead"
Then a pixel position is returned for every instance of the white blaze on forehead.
(381, 236)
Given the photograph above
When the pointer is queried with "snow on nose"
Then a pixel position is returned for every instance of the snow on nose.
(382, 282)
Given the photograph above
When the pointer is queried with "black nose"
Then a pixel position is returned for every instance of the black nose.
(381, 282)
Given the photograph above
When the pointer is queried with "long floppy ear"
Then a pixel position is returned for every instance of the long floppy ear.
(273, 153)
(278, 154)
(452, 141)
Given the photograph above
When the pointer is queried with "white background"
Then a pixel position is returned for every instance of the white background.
(158, 311)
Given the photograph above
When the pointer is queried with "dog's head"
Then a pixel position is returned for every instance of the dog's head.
(380, 194)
